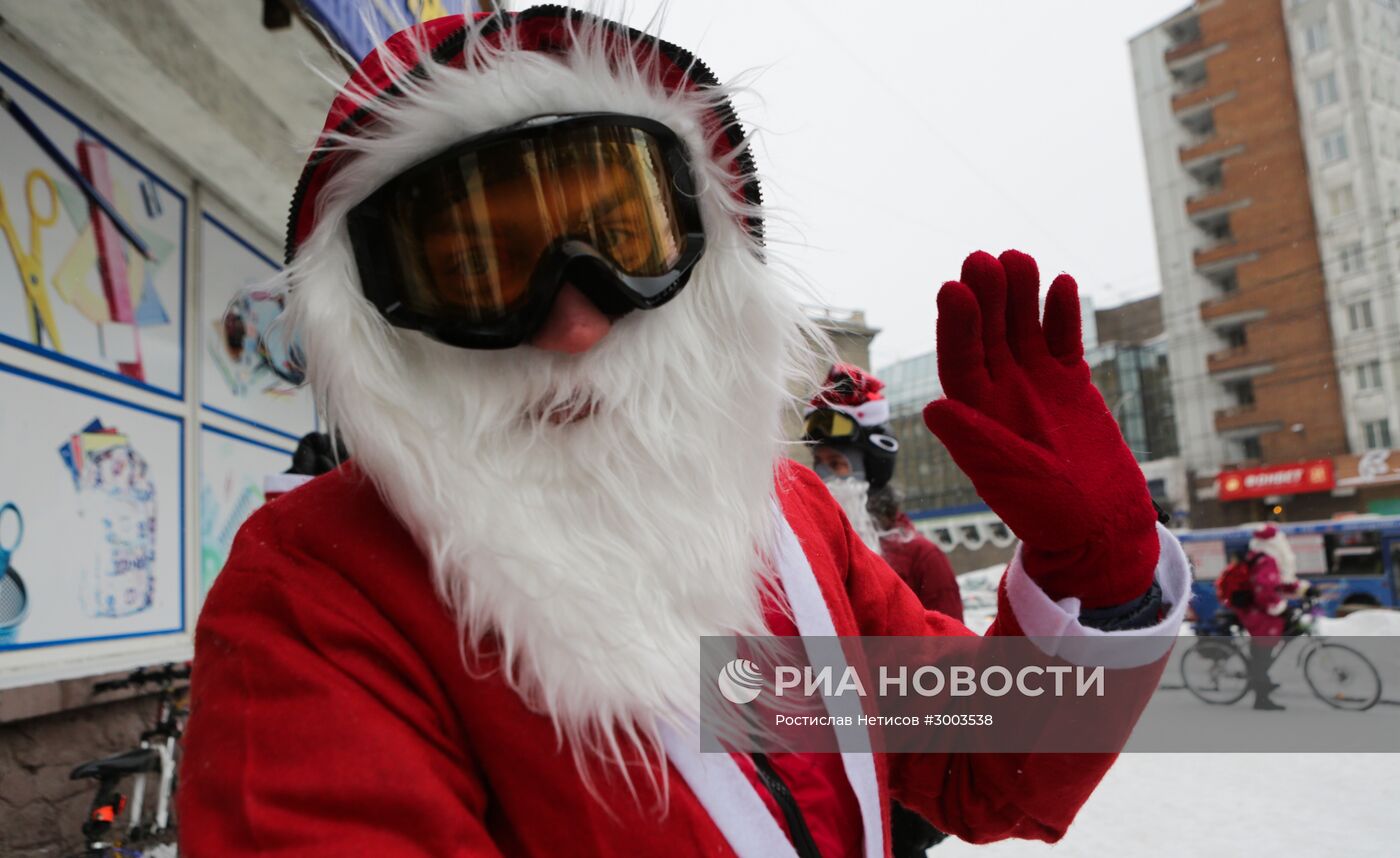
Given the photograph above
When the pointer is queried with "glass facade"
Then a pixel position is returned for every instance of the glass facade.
(1136, 386)
(1133, 379)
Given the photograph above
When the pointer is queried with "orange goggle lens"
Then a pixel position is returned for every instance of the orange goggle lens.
(469, 234)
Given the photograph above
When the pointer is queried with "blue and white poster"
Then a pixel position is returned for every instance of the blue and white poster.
(246, 352)
(71, 288)
(91, 515)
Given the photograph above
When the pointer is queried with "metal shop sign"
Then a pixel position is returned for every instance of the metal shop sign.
(1298, 478)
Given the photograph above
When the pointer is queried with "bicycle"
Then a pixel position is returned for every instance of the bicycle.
(155, 755)
(1216, 668)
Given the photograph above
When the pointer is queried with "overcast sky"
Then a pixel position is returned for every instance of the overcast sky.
(897, 137)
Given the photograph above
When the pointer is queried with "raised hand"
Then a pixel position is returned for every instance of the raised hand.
(1023, 421)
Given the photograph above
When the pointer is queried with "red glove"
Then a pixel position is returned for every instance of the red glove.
(1023, 421)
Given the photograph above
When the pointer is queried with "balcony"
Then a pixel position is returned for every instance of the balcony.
(1237, 417)
(1212, 201)
(1220, 258)
(1194, 97)
(1180, 52)
(1226, 288)
(1230, 359)
(1200, 123)
(1205, 151)
(1220, 322)
(1197, 97)
(1189, 86)
(1216, 226)
(1231, 304)
(1217, 252)
(1186, 63)
(1224, 272)
(1211, 176)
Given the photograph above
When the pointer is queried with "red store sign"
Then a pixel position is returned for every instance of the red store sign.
(1301, 477)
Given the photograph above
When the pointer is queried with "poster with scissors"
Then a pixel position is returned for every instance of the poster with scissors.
(74, 285)
(248, 362)
(91, 515)
(232, 471)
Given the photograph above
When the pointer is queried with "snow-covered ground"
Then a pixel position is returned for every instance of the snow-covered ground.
(979, 596)
(1228, 805)
(1235, 805)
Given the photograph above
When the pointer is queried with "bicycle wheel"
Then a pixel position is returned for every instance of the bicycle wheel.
(1341, 677)
(1215, 671)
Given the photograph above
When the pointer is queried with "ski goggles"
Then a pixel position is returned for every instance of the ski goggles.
(472, 246)
(825, 425)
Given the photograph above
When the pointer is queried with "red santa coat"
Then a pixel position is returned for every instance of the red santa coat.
(924, 567)
(1263, 617)
(332, 713)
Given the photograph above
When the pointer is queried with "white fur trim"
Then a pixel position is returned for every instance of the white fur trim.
(1057, 631)
(721, 786)
(280, 484)
(813, 619)
(725, 792)
(872, 413)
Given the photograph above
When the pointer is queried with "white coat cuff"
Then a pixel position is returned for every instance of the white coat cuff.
(1056, 629)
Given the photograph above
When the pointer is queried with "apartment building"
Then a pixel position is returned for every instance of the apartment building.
(1346, 74)
(1247, 307)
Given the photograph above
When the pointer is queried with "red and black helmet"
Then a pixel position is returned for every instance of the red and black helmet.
(546, 29)
(851, 414)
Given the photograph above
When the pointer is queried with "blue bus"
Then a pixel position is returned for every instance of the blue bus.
(1351, 563)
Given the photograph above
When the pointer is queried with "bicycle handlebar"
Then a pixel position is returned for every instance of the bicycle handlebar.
(163, 676)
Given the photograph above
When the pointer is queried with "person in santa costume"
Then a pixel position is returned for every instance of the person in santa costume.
(853, 450)
(929, 573)
(527, 269)
(854, 453)
(1258, 587)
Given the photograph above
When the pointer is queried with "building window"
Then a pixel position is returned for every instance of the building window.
(1316, 37)
(1368, 376)
(1251, 448)
(1234, 337)
(1359, 315)
(1325, 90)
(1377, 434)
(1341, 201)
(1242, 391)
(1334, 147)
(1352, 258)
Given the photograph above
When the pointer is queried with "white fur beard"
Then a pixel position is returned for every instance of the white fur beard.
(596, 552)
(851, 495)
